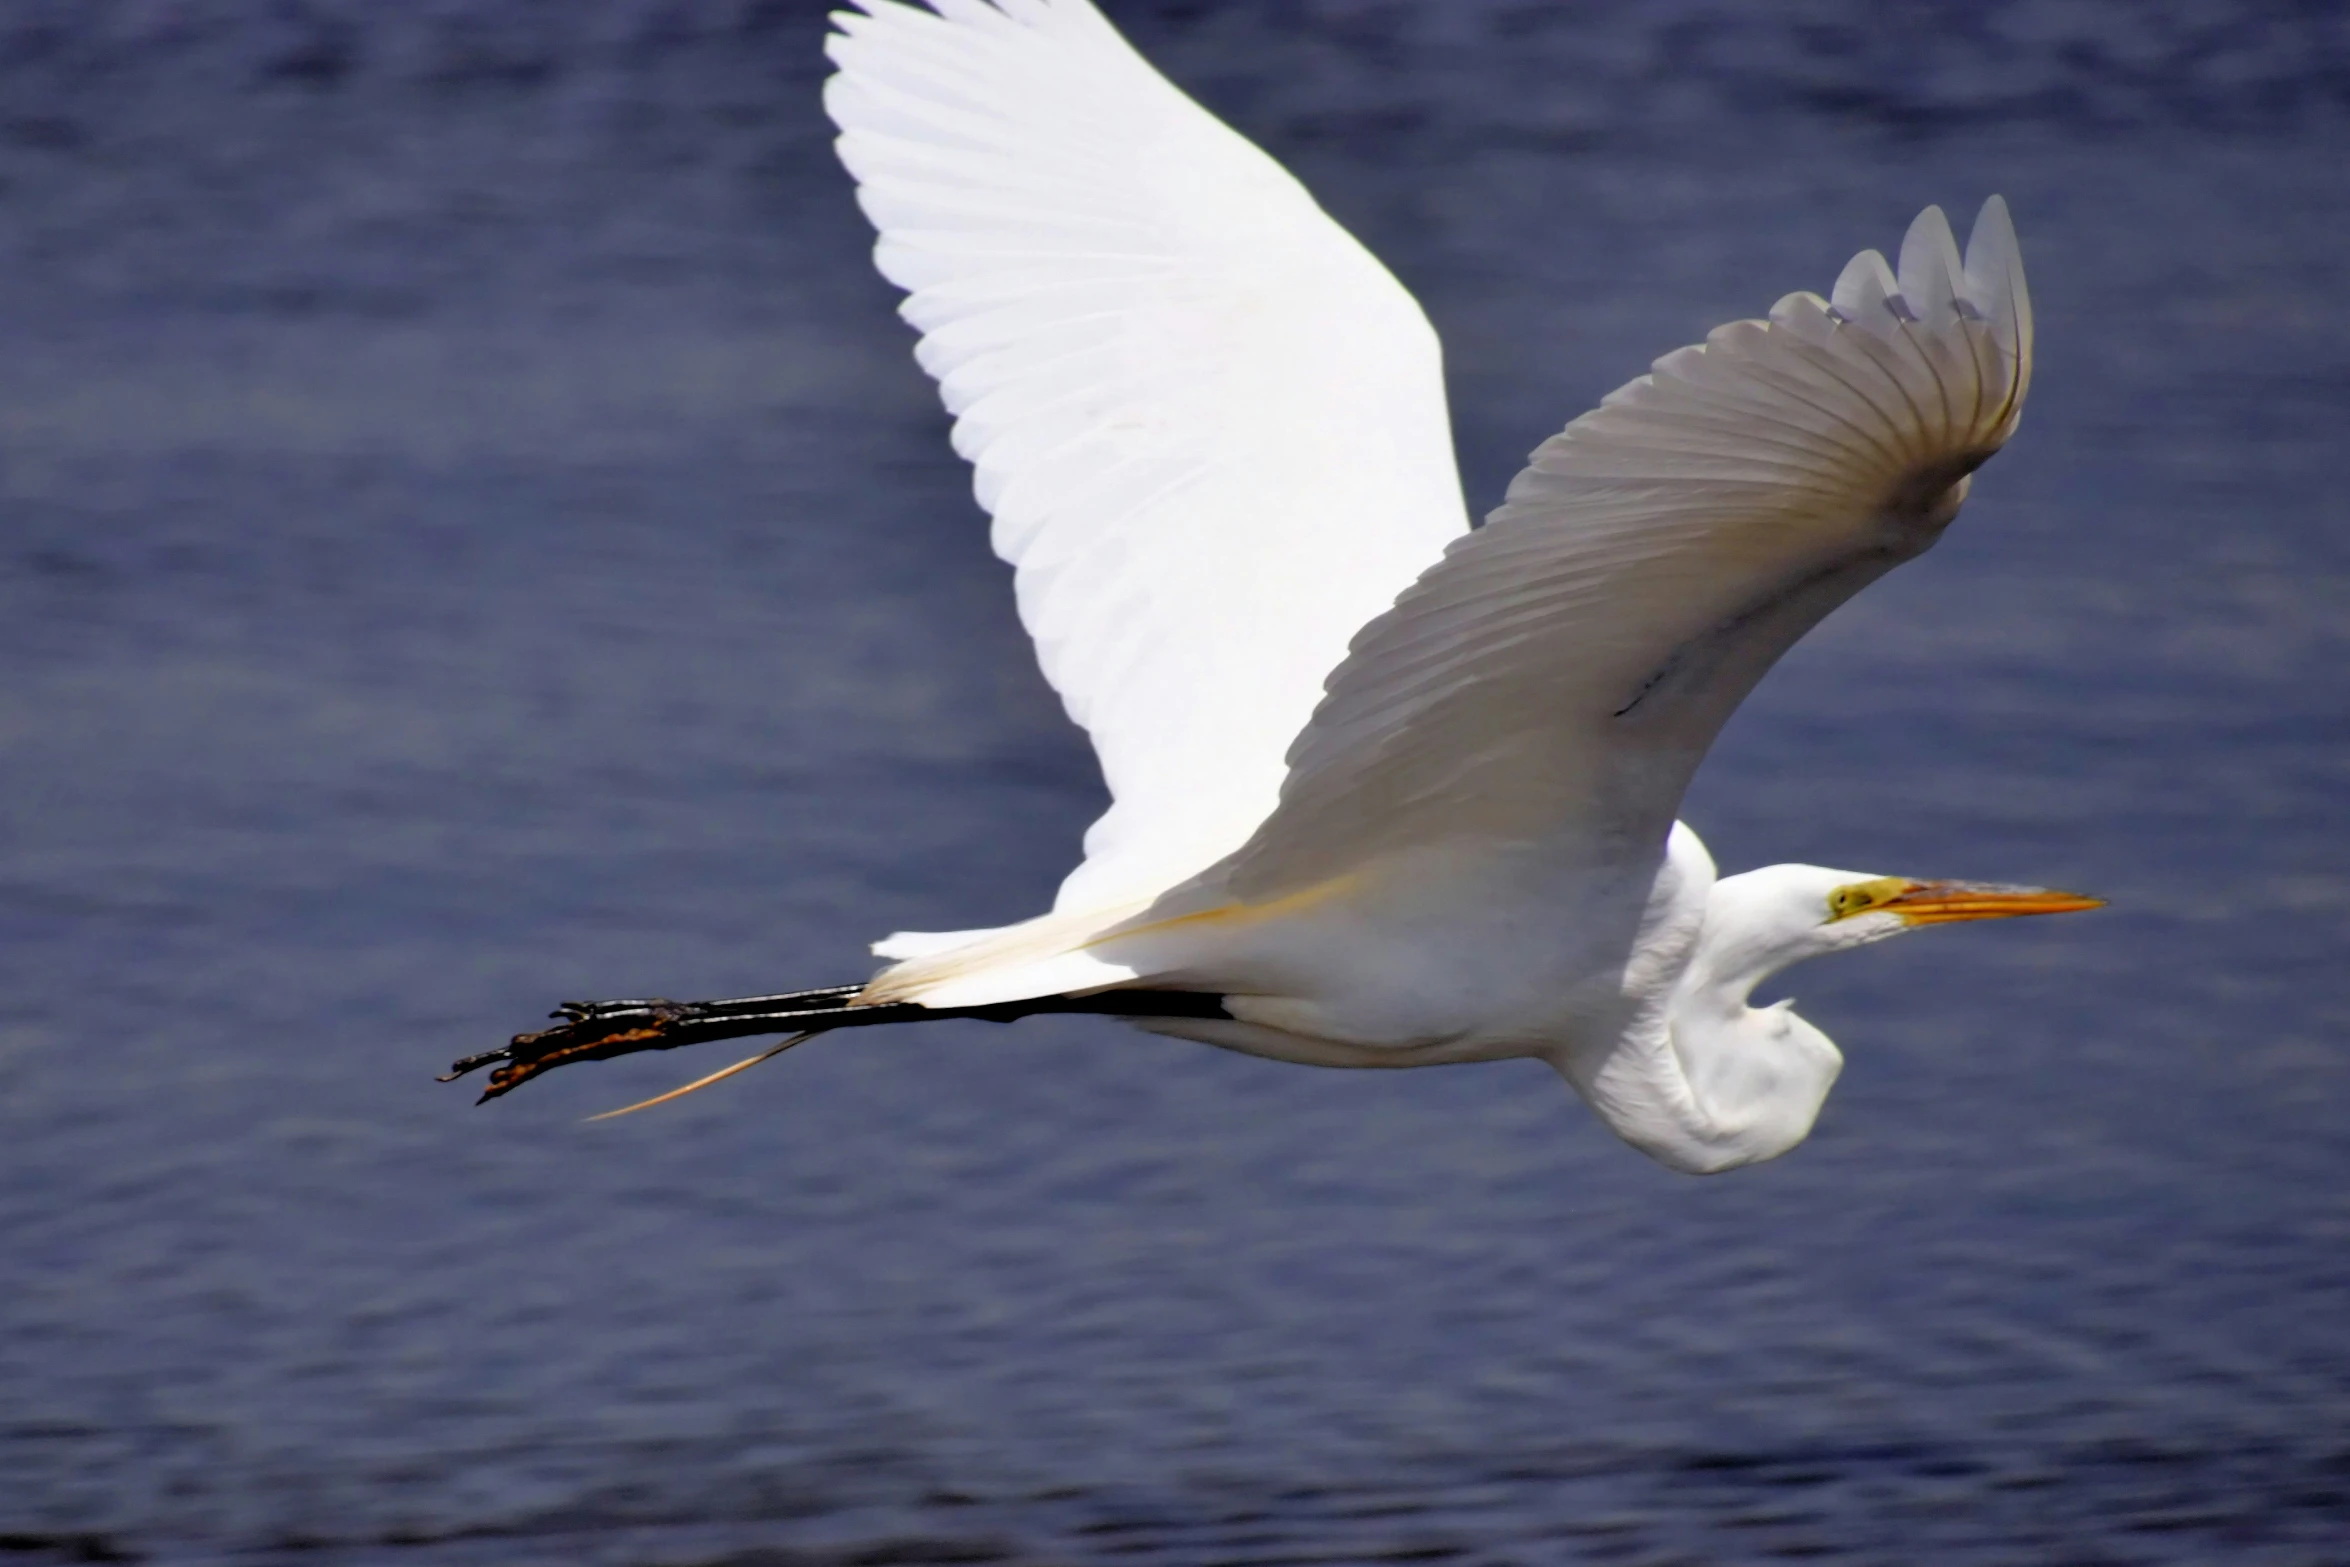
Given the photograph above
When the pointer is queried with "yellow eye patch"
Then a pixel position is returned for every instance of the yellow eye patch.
(1861, 896)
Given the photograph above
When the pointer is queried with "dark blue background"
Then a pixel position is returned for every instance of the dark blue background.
(471, 533)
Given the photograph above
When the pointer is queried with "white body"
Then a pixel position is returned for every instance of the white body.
(1402, 792)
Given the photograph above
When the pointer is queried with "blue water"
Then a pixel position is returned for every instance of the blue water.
(471, 534)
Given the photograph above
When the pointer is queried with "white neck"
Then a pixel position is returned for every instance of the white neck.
(1698, 1079)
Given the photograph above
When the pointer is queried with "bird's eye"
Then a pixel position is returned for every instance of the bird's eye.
(1861, 896)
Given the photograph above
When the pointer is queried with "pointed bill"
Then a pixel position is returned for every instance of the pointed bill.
(1941, 902)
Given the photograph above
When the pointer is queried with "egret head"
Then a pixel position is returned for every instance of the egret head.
(1760, 922)
(1750, 1082)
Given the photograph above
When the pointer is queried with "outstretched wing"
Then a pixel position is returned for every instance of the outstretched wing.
(1558, 676)
(1210, 427)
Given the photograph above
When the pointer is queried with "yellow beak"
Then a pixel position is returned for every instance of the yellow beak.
(1940, 902)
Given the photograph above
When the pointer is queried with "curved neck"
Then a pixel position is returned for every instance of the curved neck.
(1702, 1091)
(1699, 1080)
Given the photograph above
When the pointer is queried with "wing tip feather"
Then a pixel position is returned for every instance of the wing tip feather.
(1864, 294)
(1994, 271)
(1930, 272)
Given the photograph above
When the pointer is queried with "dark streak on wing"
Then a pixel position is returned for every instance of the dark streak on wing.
(1777, 619)
(1718, 639)
(1908, 524)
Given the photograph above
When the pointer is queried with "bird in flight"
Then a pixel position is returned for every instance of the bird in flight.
(1388, 790)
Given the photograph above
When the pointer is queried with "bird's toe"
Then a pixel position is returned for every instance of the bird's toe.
(590, 1031)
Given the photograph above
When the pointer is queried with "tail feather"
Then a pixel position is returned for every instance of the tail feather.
(1048, 955)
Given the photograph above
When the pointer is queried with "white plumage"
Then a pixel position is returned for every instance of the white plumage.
(1387, 792)
(1186, 394)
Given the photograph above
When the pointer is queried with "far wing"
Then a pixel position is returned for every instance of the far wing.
(1209, 425)
(1559, 675)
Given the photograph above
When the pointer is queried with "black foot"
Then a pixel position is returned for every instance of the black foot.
(600, 1030)
(590, 1031)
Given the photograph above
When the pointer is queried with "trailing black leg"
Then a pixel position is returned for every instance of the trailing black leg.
(601, 1030)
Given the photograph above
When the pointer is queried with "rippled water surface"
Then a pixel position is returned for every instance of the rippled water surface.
(471, 533)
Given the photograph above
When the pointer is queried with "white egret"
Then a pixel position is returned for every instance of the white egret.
(1387, 791)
